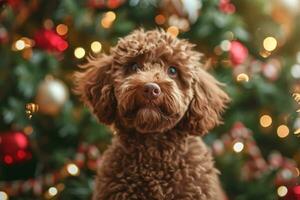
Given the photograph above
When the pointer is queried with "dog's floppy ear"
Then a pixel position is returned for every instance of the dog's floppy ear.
(94, 85)
(207, 105)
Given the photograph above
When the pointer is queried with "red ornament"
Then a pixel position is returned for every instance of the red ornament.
(226, 7)
(111, 4)
(238, 53)
(13, 3)
(50, 40)
(293, 193)
(14, 147)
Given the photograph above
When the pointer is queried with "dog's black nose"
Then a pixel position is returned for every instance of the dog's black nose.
(151, 90)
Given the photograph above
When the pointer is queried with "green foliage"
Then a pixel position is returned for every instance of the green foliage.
(56, 138)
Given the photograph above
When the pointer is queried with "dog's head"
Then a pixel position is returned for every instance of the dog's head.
(152, 82)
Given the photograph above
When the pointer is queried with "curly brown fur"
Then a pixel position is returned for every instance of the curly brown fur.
(157, 153)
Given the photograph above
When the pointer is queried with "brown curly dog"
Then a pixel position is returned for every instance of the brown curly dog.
(152, 90)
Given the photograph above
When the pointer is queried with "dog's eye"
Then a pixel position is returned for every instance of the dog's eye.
(134, 67)
(172, 71)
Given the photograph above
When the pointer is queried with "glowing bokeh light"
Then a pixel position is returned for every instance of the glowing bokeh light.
(79, 52)
(242, 77)
(265, 121)
(282, 191)
(62, 29)
(52, 191)
(270, 43)
(20, 45)
(173, 30)
(72, 169)
(238, 147)
(3, 195)
(283, 131)
(110, 15)
(96, 46)
(108, 18)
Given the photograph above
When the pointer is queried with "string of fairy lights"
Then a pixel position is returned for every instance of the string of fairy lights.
(240, 140)
(51, 184)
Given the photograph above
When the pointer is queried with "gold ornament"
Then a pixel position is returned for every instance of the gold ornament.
(30, 109)
(51, 96)
(297, 97)
(242, 77)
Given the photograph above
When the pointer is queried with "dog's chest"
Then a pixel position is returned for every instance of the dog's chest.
(154, 179)
(154, 174)
(163, 178)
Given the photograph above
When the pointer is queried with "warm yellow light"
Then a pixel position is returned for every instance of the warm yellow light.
(96, 46)
(270, 43)
(108, 19)
(238, 147)
(265, 121)
(282, 131)
(110, 15)
(62, 29)
(79, 52)
(242, 77)
(105, 23)
(20, 45)
(160, 19)
(72, 169)
(52, 191)
(3, 195)
(173, 30)
(282, 191)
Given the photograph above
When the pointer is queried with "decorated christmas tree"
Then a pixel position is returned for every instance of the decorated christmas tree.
(50, 144)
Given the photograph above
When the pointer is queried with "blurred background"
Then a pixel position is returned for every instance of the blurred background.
(50, 144)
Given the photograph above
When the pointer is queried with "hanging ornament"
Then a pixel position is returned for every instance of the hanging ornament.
(226, 7)
(14, 148)
(30, 109)
(50, 40)
(293, 193)
(102, 4)
(51, 95)
(238, 53)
